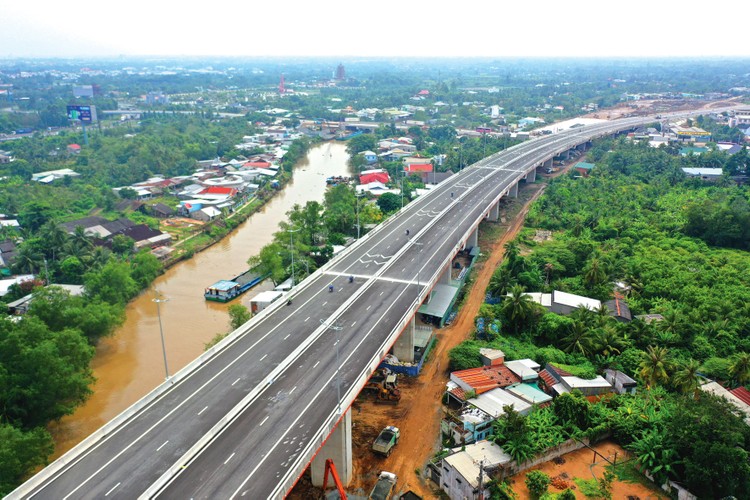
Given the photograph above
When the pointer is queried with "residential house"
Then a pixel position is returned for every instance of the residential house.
(619, 309)
(621, 382)
(738, 398)
(466, 468)
(74, 149)
(706, 174)
(584, 168)
(21, 306)
(525, 369)
(206, 214)
(375, 188)
(53, 175)
(370, 157)
(162, 211)
(8, 253)
(375, 175)
(16, 280)
(555, 381)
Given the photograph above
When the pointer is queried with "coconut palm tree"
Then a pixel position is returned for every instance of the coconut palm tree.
(740, 368)
(28, 259)
(594, 274)
(581, 338)
(655, 366)
(518, 307)
(501, 282)
(686, 379)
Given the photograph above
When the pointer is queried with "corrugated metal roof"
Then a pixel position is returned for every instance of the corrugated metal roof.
(487, 378)
(742, 394)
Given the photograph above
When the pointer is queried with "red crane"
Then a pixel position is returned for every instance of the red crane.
(332, 469)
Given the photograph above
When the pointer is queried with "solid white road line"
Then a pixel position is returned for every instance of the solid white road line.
(236, 380)
(264, 357)
(204, 409)
(264, 420)
(228, 459)
(111, 490)
(162, 446)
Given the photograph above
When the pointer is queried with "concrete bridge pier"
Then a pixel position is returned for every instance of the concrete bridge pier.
(473, 239)
(514, 191)
(547, 164)
(530, 176)
(338, 447)
(403, 349)
(445, 276)
(494, 214)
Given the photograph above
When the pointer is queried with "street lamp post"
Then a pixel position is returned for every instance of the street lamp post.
(337, 329)
(161, 333)
(291, 241)
(357, 196)
(419, 263)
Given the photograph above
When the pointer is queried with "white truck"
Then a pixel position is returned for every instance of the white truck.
(384, 487)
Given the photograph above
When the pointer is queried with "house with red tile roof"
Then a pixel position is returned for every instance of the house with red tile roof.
(418, 168)
(377, 175)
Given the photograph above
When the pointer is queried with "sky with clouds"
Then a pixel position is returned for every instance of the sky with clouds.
(438, 28)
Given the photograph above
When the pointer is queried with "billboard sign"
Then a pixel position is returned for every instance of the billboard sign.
(85, 114)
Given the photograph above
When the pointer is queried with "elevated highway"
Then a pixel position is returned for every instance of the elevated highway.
(246, 418)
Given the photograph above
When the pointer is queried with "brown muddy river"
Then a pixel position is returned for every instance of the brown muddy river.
(129, 364)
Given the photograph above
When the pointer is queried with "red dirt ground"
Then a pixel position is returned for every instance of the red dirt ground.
(578, 464)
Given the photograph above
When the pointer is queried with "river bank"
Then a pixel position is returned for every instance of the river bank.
(129, 364)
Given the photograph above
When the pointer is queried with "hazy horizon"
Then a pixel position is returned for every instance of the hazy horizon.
(45, 29)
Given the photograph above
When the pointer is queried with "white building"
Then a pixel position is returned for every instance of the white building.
(462, 472)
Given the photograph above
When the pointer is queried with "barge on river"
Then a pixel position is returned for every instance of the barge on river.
(226, 290)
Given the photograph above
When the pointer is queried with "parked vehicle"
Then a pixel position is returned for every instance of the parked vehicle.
(386, 440)
(384, 487)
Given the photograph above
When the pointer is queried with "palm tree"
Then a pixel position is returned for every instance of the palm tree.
(54, 238)
(686, 379)
(581, 338)
(594, 273)
(654, 367)
(28, 260)
(501, 282)
(609, 342)
(517, 307)
(740, 368)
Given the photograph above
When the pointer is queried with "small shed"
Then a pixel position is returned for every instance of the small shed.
(621, 382)
(263, 300)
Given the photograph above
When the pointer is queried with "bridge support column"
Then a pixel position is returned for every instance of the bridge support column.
(514, 191)
(548, 163)
(473, 239)
(339, 449)
(531, 176)
(445, 276)
(494, 214)
(403, 349)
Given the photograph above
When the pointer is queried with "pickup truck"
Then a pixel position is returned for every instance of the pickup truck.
(386, 440)
(384, 487)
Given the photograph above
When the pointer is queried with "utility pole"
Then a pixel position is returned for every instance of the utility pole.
(481, 477)
(161, 333)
